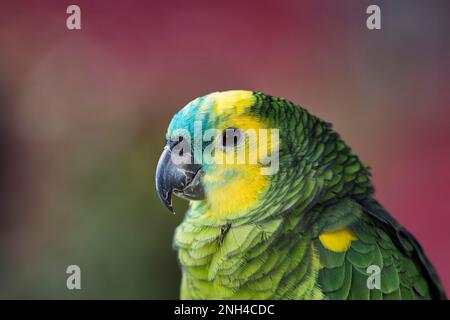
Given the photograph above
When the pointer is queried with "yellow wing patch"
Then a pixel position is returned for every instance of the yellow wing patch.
(337, 241)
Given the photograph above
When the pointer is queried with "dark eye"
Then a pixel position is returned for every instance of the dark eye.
(232, 137)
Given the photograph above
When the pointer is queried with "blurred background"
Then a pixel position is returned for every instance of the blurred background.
(83, 115)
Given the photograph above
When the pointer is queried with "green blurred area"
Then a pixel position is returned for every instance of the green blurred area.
(117, 232)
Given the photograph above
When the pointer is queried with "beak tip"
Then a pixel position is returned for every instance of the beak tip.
(170, 207)
(167, 200)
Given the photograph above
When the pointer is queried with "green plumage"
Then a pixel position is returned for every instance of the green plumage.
(273, 251)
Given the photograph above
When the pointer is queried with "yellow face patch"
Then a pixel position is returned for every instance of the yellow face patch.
(237, 194)
(236, 185)
(337, 241)
(232, 188)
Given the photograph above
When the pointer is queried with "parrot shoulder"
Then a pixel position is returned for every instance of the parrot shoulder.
(361, 257)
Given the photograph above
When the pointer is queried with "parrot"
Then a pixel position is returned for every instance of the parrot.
(311, 229)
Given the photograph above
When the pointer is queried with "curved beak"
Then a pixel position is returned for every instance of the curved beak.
(184, 180)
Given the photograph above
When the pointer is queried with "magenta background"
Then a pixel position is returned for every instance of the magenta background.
(134, 63)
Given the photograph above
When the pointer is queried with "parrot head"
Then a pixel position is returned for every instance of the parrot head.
(247, 155)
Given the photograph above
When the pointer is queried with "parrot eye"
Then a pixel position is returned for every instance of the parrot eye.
(232, 137)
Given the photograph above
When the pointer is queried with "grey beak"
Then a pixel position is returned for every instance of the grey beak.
(182, 179)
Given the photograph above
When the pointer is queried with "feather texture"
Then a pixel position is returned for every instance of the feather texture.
(311, 231)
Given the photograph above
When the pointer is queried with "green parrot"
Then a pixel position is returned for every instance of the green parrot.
(300, 222)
